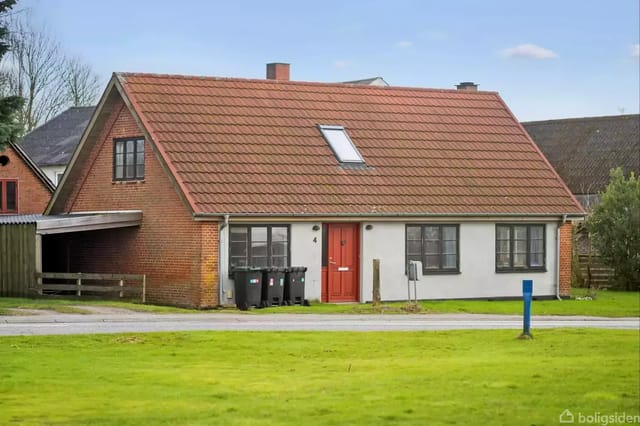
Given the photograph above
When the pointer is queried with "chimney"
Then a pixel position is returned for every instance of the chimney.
(278, 71)
(469, 86)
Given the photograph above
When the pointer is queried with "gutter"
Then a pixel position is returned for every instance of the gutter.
(564, 220)
(381, 215)
(220, 275)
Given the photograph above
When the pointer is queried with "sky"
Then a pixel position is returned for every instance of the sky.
(548, 59)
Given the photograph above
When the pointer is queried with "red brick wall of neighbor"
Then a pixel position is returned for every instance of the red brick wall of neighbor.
(566, 234)
(33, 195)
(178, 255)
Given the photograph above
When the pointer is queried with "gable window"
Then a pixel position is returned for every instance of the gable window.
(8, 196)
(520, 248)
(341, 145)
(436, 246)
(128, 159)
(258, 246)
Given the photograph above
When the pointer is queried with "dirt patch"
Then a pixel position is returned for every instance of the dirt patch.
(29, 312)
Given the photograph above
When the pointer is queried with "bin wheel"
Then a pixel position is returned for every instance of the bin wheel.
(243, 306)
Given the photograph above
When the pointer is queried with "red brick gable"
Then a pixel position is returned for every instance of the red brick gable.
(33, 193)
(253, 147)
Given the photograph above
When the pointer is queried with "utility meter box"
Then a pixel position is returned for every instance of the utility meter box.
(415, 270)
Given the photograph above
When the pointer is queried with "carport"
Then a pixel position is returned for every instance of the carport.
(30, 242)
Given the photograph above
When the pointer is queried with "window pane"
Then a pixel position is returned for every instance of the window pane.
(432, 262)
(413, 233)
(449, 233)
(536, 246)
(130, 167)
(341, 145)
(503, 232)
(259, 257)
(520, 247)
(537, 232)
(279, 261)
(12, 201)
(140, 147)
(449, 247)
(414, 248)
(504, 247)
(449, 261)
(130, 148)
(278, 234)
(537, 260)
(238, 246)
(140, 158)
(431, 233)
(119, 147)
(259, 234)
(519, 260)
(503, 260)
(278, 248)
(431, 247)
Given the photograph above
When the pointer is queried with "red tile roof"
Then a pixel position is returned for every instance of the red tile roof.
(252, 146)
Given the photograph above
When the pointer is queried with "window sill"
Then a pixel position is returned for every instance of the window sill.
(128, 182)
(517, 270)
(440, 272)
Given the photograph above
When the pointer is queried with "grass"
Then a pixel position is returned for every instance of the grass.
(75, 306)
(605, 304)
(328, 378)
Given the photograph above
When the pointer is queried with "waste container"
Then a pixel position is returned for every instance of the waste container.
(273, 286)
(294, 285)
(248, 284)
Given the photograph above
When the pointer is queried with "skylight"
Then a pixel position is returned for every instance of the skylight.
(341, 145)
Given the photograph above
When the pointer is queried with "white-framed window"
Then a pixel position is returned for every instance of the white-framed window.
(341, 144)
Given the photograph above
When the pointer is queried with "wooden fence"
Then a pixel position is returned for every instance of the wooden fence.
(79, 287)
(17, 259)
(594, 273)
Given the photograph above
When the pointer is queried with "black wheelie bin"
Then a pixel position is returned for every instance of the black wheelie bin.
(273, 286)
(248, 284)
(294, 285)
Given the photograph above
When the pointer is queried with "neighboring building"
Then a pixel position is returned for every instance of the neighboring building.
(374, 81)
(584, 150)
(52, 144)
(230, 172)
(24, 189)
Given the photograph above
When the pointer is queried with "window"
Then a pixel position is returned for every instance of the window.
(436, 246)
(520, 248)
(128, 159)
(8, 196)
(341, 145)
(258, 246)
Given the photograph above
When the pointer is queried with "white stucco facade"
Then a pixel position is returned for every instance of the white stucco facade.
(52, 173)
(386, 241)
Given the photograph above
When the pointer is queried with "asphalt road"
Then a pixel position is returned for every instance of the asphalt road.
(143, 322)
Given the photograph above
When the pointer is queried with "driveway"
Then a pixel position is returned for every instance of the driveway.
(54, 323)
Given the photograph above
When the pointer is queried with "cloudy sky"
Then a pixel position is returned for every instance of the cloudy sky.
(548, 58)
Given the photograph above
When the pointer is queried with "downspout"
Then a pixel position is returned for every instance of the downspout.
(564, 220)
(220, 274)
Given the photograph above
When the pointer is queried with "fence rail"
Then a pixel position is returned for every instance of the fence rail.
(79, 287)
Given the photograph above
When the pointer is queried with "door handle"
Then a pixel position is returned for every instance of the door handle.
(333, 263)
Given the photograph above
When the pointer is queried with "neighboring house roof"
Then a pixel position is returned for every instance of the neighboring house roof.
(584, 150)
(53, 143)
(252, 147)
(373, 81)
(38, 173)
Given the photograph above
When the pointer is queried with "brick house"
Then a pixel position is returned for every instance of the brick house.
(230, 172)
(24, 189)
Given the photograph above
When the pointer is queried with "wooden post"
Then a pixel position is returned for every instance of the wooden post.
(79, 284)
(376, 282)
(121, 291)
(39, 263)
(144, 288)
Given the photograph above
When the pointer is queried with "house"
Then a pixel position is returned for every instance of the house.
(52, 144)
(373, 81)
(24, 189)
(229, 172)
(584, 150)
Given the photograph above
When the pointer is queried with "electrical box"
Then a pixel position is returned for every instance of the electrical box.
(415, 270)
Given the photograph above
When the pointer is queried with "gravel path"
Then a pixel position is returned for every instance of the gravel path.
(113, 322)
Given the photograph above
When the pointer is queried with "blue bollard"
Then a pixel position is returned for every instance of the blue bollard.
(527, 294)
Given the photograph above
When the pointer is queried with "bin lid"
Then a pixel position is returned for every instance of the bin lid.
(297, 269)
(245, 269)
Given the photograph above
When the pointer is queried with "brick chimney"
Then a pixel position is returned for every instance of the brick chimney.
(278, 71)
(468, 86)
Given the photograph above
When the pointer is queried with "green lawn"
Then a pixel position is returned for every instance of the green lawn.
(242, 378)
(605, 304)
(75, 306)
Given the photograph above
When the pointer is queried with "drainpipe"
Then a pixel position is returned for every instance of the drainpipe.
(220, 275)
(564, 220)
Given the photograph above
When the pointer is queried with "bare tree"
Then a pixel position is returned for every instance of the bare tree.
(37, 70)
(81, 84)
(36, 66)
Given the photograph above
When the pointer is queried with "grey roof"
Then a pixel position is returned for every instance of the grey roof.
(53, 143)
(584, 150)
(37, 171)
(20, 219)
(373, 81)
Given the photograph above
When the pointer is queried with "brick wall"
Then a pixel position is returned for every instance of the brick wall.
(178, 254)
(33, 195)
(565, 258)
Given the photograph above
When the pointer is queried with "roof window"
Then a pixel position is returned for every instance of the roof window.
(341, 145)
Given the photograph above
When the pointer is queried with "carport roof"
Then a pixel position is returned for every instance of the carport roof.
(76, 222)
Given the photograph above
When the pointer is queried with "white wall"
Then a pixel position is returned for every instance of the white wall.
(386, 241)
(51, 171)
(477, 277)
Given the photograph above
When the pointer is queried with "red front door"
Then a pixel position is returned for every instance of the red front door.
(342, 257)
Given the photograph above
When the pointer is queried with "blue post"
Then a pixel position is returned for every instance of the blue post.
(527, 293)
